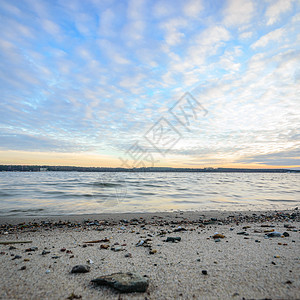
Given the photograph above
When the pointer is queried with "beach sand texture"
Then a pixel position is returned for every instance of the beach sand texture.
(243, 264)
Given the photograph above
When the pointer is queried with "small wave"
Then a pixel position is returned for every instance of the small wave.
(106, 184)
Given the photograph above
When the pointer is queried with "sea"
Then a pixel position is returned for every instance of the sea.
(65, 193)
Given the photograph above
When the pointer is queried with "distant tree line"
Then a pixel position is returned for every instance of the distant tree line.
(40, 168)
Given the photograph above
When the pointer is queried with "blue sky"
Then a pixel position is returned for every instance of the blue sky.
(88, 82)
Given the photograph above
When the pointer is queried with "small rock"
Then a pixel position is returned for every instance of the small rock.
(140, 243)
(117, 249)
(89, 261)
(31, 249)
(243, 233)
(124, 282)
(47, 271)
(104, 246)
(12, 248)
(274, 234)
(218, 236)
(153, 251)
(288, 282)
(17, 257)
(63, 249)
(80, 269)
(23, 268)
(173, 239)
(128, 255)
(73, 296)
(286, 234)
(45, 252)
(217, 240)
(204, 272)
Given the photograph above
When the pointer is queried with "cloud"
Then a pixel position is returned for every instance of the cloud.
(276, 9)
(282, 158)
(275, 35)
(94, 76)
(172, 27)
(192, 8)
(238, 12)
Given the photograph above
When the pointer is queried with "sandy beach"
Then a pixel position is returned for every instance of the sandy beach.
(215, 255)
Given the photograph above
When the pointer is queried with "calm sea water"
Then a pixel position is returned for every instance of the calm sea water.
(60, 193)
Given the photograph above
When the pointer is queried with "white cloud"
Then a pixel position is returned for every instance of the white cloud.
(246, 35)
(238, 12)
(171, 27)
(106, 22)
(163, 9)
(51, 27)
(277, 8)
(192, 8)
(275, 35)
(113, 52)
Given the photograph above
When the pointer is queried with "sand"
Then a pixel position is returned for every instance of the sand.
(239, 266)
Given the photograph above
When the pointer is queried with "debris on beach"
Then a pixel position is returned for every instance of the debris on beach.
(80, 269)
(124, 282)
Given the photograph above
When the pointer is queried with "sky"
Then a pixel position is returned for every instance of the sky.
(138, 83)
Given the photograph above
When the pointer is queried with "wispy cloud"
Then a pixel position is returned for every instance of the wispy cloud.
(94, 76)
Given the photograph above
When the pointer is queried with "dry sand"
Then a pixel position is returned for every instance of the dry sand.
(238, 266)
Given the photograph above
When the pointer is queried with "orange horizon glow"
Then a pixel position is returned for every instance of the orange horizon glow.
(106, 161)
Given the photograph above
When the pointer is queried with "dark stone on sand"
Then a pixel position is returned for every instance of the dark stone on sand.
(12, 248)
(45, 252)
(286, 234)
(274, 234)
(204, 272)
(17, 257)
(80, 269)
(243, 233)
(124, 282)
(173, 239)
(31, 249)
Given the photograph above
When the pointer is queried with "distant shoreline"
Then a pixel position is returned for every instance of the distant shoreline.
(44, 168)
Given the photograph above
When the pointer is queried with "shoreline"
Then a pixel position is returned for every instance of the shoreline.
(242, 262)
(191, 215)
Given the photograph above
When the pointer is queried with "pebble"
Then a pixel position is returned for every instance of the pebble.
(31, 249)
(17, 257)
(243, 233)
(124, 282)
(218, 236)
(104, 246)
(173, 239)
(89, 261)
(153, 251)
(45, 252)
(217, 240)
(80, 269)
(23, 268)
(204, 272)
(274, 234)
(128, 255)
(286, 234)
(47, 271)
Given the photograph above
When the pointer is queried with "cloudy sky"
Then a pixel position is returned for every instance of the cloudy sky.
(150, 83)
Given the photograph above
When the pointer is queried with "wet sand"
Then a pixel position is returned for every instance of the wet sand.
(242, 264)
